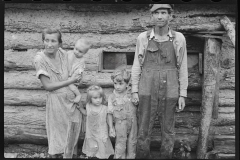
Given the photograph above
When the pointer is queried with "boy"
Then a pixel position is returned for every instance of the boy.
(122, 111)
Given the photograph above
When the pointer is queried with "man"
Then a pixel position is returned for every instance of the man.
(159, 80)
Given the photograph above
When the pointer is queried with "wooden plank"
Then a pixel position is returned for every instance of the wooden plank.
(211, 60)
(216, 96)
(200, 63)
(212, 32)
(207, 36)
(225, 156)
(229, 27)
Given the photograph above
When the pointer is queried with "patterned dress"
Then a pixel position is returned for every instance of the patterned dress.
(97, 142)
(60, 111)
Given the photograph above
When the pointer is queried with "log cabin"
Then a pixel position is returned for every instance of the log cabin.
(113, 30)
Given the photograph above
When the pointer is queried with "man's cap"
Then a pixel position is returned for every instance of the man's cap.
(164, 6)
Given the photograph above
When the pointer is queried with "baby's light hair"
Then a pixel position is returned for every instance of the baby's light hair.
(98, 89)
(83, 41)
(121, 75)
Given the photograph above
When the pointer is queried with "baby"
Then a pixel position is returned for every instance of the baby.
(76, 63)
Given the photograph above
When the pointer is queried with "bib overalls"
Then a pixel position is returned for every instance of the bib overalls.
(158, 96)
(124, 113)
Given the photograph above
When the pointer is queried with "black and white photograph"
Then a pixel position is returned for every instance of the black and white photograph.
(120, 80)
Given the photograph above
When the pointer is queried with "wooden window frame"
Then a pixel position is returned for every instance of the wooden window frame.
(100, 66)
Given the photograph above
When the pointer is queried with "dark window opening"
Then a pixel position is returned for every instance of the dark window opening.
(130, 58)
(116, 60)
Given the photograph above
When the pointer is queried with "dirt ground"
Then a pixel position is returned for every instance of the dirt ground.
(40, 151)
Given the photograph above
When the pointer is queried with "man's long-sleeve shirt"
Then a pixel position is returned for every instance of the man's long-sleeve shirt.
(179, 44)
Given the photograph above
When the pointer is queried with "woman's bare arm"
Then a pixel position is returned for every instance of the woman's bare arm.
(50, 86)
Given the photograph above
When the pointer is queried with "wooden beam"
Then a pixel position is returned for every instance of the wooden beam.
(216, 96)
(207, 36)
(229, 27)
(200, 63)
(211, 54)
(225, 156)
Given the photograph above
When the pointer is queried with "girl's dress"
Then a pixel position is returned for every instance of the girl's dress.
(60, 111)
(97, 142)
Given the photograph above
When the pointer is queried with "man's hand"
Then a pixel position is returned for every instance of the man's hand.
(181, 104)
(135, 98)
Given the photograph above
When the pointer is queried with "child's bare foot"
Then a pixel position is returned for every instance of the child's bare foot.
(77, 99)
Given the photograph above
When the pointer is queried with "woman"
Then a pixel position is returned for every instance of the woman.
(61, 113)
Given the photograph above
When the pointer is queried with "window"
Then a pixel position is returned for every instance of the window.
(109, 61)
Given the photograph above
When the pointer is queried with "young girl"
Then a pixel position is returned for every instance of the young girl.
(97, 142)
(122, 110)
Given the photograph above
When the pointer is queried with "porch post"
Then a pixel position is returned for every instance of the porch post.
(212, 50)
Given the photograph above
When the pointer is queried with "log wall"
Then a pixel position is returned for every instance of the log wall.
(110, 28)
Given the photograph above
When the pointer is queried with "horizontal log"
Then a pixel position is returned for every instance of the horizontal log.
(76, 18)
(25, 148)
(181, 9)
(192, 119)
(224, 144)
(213, 130)
(15, 135)
(125, 40)
(28, 80)
(226, 97)
(26, 124)
(20, 135)
(23, 60)
(37, 97)
(34, 40)
(33, 118)
(225, 156)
